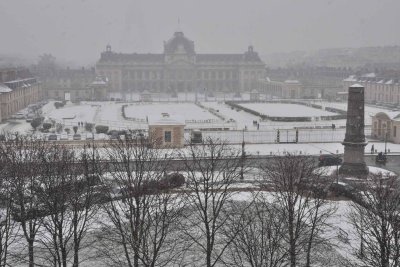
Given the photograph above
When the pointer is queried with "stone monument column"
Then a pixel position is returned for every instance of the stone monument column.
(354, 141)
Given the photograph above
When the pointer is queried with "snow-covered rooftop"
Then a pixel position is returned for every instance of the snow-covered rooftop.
(369, 75)
(292, 81)
(166, 119)
(4, 88)
(393, 115)
(351, 78)
(356, 85)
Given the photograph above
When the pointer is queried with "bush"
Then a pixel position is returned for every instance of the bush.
(36, 123)
(67, 130)
(101, 129)
(46, 125)
(59, 104)
(170, 181)
(175, 180)
(89, 127)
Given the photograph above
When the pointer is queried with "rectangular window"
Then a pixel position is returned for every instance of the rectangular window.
(167, 136)
(394, 131)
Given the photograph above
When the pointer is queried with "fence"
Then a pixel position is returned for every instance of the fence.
(284, 136)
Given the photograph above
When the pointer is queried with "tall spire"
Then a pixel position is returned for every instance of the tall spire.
(179, 29)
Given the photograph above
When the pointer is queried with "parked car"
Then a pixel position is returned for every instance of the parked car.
(77, 137)
(52, 137)
(381, 158)
(329, 160)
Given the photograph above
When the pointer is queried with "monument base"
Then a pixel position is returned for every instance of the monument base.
(354, 169)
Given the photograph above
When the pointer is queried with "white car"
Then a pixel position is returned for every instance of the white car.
(64, 137)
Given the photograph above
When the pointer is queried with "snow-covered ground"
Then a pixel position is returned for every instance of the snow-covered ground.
(189, 111)
(311, 149)
(369, 109)
(74, 113)
(110, 113)
(286, 110)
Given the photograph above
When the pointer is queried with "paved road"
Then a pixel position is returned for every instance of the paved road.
(392, 164)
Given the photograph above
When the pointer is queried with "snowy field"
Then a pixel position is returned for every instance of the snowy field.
(369, 110)
(110, 113)
(286, 110)
(189, 111)
(74, 113)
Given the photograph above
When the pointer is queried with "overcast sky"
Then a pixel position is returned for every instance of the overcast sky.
(78, 30)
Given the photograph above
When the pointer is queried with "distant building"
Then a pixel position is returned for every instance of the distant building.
(316, 81)
(167, 132)
(385, 125)
(146, 96)
(76, 85)
(180, 69)
(254, 95)
(18, 89)
(291, 89)
(377, 90)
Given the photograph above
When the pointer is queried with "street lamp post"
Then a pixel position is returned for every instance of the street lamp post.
(386, 134)
(242, 158)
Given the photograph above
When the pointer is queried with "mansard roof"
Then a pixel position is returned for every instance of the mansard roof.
(178, 39)
(231, 58)
(121, 57)
(179, 44)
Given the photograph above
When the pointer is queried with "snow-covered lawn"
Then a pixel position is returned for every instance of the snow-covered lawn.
(74, 113)
(243, 119)
(189, 111)
(369, 110)
(286, 110)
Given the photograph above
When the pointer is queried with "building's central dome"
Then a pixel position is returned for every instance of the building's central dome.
(179, 44)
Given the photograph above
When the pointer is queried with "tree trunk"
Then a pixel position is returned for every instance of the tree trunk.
(30, 252)
(292, 243)
(76, 254)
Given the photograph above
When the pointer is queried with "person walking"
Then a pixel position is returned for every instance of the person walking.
(372, 149)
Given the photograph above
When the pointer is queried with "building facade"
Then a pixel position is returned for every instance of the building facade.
(181, 69)
(18, 89)
(385, 126)
(377, 90)
(167, 132)
(76, 85)
(290, 89)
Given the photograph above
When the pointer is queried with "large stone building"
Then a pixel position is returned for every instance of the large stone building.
(180, 68)
(377, 89)
(75, 85)
(18, 89)
(291, 89)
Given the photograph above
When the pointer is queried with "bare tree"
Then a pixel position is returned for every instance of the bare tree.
(67, 196)
(8, 227)
(142, 212)
(375, 218)
(21, 156)
(300, 192)
(211, 168)
(259, 240)
(85, 197)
